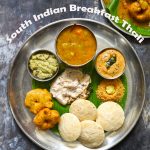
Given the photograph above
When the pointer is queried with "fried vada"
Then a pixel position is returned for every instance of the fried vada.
(38, 99)
(46, 118)
(110, 90)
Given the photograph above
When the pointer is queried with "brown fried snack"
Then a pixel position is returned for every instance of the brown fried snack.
(140, 10)
(38, 99)
(46, 118)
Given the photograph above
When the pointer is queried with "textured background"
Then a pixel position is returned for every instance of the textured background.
(14, 12)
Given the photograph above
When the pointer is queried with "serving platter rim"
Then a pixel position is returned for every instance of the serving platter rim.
(56, 22)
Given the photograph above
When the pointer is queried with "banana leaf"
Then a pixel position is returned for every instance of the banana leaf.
(96, 79)
(112, 9)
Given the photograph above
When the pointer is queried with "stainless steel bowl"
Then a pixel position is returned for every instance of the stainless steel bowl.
(60, 56)
(30, 71)
(104, 51)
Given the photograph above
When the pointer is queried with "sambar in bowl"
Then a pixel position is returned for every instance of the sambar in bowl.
(76, 45)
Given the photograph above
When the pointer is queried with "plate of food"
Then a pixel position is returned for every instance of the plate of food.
(76, 83)
(136, 13)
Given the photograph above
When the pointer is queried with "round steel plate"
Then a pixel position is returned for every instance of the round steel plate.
(19, 82)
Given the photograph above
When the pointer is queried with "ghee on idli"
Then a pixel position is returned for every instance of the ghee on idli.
(83, 109)
(69, 127)
(110, 116)
(92, 134)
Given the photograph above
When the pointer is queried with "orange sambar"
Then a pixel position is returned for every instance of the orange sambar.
(76, 45)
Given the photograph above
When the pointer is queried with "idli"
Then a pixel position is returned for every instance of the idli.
(92, 135)
(83, 109)
(110, 116)
(69, 127)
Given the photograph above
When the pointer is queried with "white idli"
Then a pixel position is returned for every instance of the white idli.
(110, 116)
(92, 135)
(69, 127)
(83, 109)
